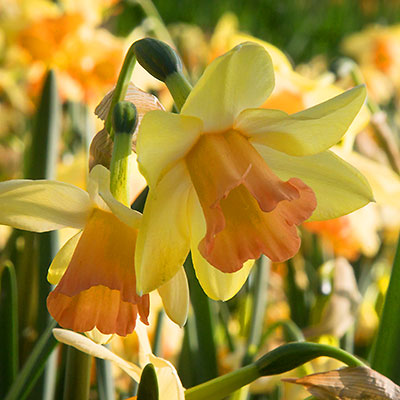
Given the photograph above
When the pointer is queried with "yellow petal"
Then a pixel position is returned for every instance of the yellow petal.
(99, 190)
(240, 79)
(169, 384)
(216, 284)
(144, 344)
(339, 187)
(163, 139)
(384, 182)
(87, 346)
(163, 240)
(42, 205)
(306, 132)
(175, 297)
(62, 260)
(98, 337)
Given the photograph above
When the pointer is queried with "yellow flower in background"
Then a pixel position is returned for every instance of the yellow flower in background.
(216, 172)
(169, 384)
(377, 51)
(65, 37)
(94, 271)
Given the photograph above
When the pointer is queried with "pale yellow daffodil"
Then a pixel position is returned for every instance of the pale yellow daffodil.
(94, 270)
(215, 171)
(169, 384)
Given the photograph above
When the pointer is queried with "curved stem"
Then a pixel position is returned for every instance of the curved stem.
(121, 87)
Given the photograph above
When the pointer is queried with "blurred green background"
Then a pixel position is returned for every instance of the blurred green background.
(302, 28)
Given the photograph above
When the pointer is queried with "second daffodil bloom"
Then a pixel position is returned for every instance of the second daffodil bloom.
(94, 271)
(231, 181)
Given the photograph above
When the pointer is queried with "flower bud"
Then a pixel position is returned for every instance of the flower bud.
(157, 58)
(148, 385)
(291, 355)
(124, 117)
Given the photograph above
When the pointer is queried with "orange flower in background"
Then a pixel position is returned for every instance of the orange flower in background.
(66, 37)
(377, 51)
(351, 235)
(338, 233)
(67, 44)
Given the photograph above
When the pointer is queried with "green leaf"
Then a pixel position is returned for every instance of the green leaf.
(9, 328)
(385, 355)
(43, 158)
(77, 375)
(34, 365)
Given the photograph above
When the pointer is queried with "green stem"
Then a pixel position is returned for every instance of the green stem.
(179, 87)
(259, 302)
(120, 168)
(296, 297)
(224, 317)
(279, 360)
(9, 327)
(157, 334)
(77, 375)
(121, 87)
(207, 354)
(187, 370)
(385, 356)
(222, 386)
(105, 380)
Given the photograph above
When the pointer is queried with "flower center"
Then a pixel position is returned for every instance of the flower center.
(247, 208)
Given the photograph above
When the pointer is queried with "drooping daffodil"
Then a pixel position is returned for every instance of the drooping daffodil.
(170, 386)
(94, 271)
(231, 181)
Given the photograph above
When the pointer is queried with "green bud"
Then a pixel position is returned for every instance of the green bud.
(157, 58)
(148, 386)
(124, 117)
(292, 355)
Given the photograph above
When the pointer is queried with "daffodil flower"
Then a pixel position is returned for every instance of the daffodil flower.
(94, 271)
(170, 386)
(230, 181)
